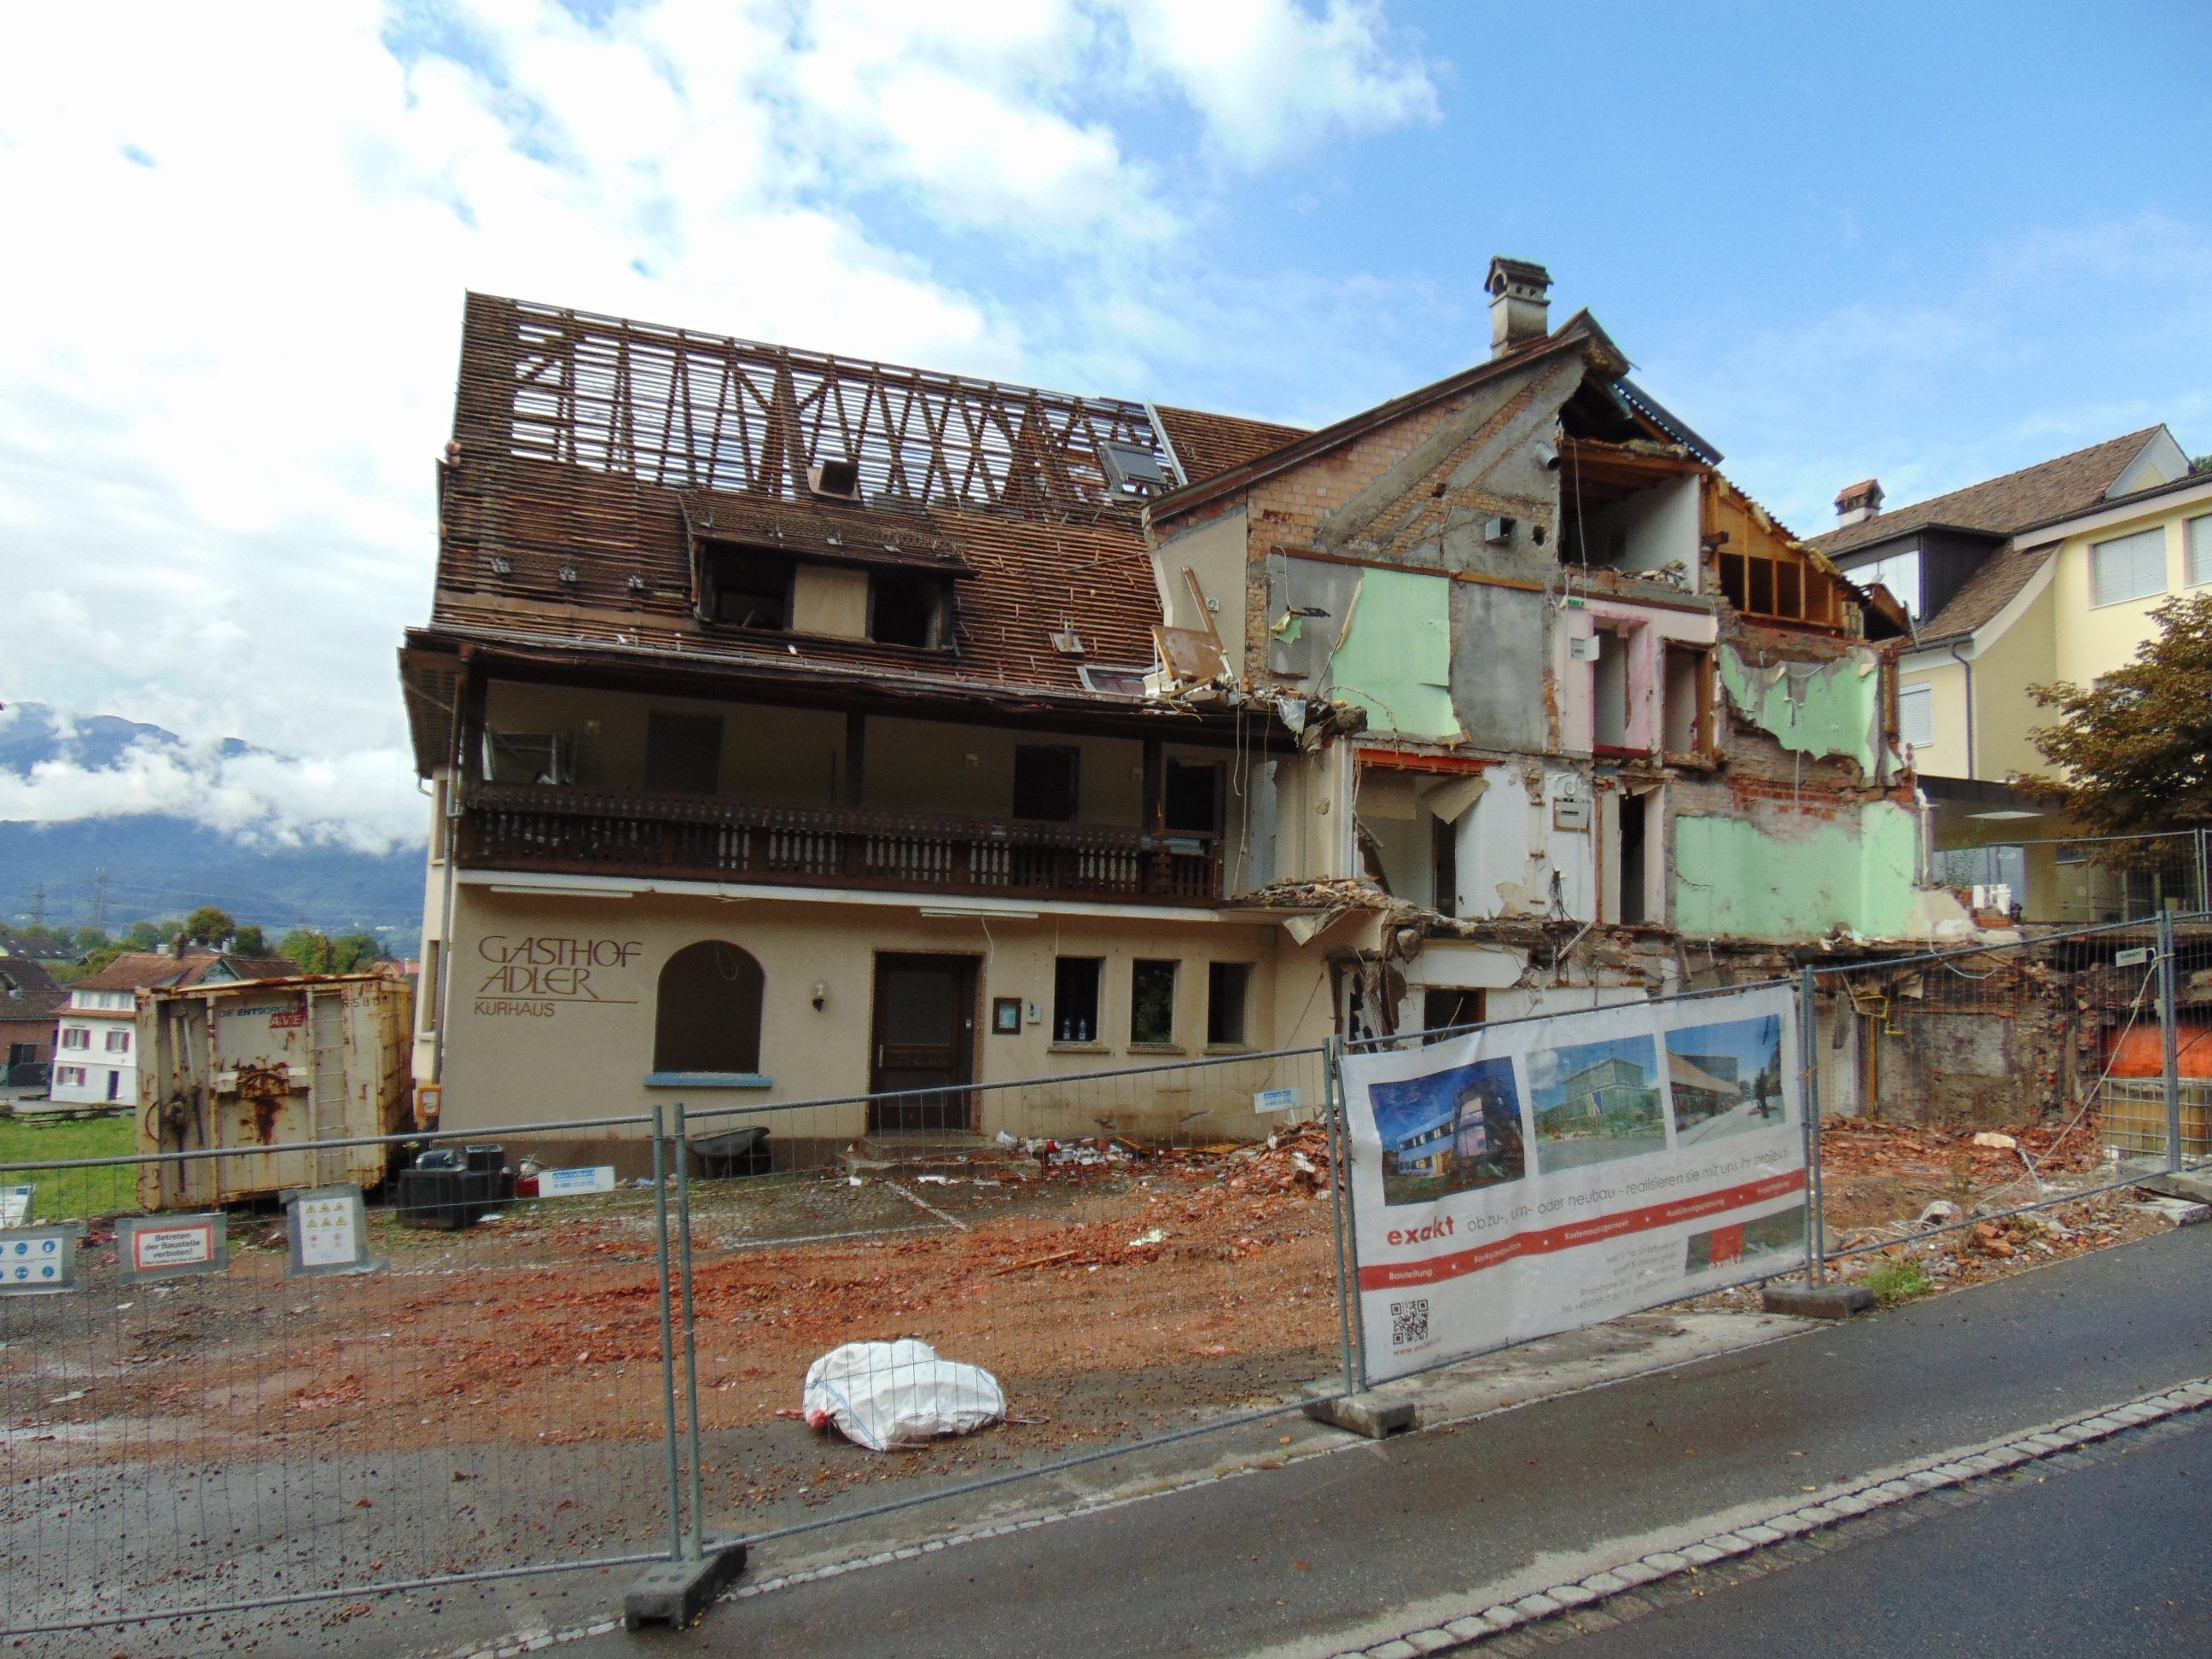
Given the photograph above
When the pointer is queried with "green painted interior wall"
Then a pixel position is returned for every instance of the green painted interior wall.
(1836, 710)
(1790, 875)
(1395, 660)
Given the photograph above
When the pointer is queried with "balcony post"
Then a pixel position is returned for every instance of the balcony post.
(1158, 873)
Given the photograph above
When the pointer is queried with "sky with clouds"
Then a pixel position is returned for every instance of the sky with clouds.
(1930, 244)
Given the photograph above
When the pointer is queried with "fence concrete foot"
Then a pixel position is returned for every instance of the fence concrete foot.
(1817, 1300)
(675, 1592)
(1370, 1414)
(2194, 1188)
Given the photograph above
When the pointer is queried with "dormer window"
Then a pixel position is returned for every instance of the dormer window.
(907, 607)
(748, 587)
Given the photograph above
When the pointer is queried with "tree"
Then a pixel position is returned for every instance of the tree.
(250, 941)
(152, 935)
(309, 948)
(90, 939)
(2136, 747)
(350, 953)
(209, 925)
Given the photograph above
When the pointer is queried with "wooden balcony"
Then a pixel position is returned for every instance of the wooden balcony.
(582, 831)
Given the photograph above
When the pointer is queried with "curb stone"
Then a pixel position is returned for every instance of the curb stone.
(1591, 1594)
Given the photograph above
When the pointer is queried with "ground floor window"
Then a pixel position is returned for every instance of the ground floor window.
(1151, 1002)
(1443, 1007)
(708, 1015)
(1228, 993)
(1075, 982)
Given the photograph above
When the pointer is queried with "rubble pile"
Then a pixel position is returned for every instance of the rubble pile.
(1861, 1146)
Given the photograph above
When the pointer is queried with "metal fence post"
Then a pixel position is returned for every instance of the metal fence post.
(667, 1334)
(2203, 872)
(2170, 1041)
(1339, 1164)
(1816, 1239)
(698, 1539)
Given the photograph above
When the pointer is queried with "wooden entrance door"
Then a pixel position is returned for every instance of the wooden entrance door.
(925, 1038)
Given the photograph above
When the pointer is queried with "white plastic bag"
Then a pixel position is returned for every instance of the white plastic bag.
(884, 1395)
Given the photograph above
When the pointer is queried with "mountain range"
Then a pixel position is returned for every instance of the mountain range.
(159, 865)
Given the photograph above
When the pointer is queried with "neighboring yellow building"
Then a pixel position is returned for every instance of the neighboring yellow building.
(2048, 574)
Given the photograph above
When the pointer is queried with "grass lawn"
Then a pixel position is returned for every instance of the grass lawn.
(72, 1194)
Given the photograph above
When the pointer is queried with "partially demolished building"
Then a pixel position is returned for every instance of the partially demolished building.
(801, 727)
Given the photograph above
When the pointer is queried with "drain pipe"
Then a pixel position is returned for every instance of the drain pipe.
(1966, 663)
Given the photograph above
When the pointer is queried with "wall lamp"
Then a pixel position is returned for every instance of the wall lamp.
(821, 994)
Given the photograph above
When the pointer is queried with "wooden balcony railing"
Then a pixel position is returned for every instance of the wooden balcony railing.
(584, 831)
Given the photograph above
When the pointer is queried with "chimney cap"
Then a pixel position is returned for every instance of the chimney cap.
(1867, 492)
(1524, 276)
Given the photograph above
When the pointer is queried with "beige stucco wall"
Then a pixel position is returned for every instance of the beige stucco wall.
(1946, 757)
(2004, 714)
(2093, 639)
(515, 1054)
(790, 756)
(828, 600)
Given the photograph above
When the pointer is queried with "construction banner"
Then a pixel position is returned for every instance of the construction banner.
(1539, 1176)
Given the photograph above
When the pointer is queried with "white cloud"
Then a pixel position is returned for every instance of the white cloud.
(254, 225)
(1272, 77)
(263, 799)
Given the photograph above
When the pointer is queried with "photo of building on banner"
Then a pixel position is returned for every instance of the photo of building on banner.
(1537, 1176)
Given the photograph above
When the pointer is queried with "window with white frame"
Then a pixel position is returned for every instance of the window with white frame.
(75, 1036)
(2127, 567)
(2199, 537)
(119, 1042)
(72, 1075)
(1916, 715)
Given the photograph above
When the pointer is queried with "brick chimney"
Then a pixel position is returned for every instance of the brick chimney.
(1520, 304)
(1861, 501)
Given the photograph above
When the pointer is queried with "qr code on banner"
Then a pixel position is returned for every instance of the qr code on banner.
(1409, 1322)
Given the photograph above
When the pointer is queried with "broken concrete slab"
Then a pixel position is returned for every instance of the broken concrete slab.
(2190, 1188)
(1376, 1416)
(1817, 1300)
(675, 1592)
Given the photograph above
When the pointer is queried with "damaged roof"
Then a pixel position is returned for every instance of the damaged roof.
(1997, 506)
(589, 451)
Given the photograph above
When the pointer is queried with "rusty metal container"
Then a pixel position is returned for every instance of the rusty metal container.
(268, 1063)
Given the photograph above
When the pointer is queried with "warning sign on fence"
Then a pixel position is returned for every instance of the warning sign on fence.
(151, 1247)
(1532, 1177)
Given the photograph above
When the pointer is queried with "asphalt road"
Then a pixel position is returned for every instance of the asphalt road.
(1351, 1548)
(2107, 1558)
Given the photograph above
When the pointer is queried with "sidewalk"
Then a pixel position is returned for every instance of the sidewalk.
(1351, 1545)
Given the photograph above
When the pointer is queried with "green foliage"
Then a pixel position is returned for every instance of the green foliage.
(152, 935)
(2135, 750)
(90, 939)
(250, 941)
(319, 953)
(68, 972)
(209, 925)
(1898, 1281)
(73, 1194)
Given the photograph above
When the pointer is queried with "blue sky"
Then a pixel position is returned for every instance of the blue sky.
(1929, 243)
(1403, 1107)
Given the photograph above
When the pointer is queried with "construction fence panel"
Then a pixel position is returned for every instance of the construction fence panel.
(1960, 1088)
(1128, 1257)
(2084, 880)
(235, 1381)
